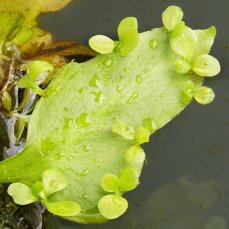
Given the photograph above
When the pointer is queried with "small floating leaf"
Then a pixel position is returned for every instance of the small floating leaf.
(54, 181)
(206, 65)
(171, 17)
(205, 40)
(34, 70)
(150, 124)
(63, 208)
(128, 35)
(123, 129)
(128, 179)
(183, 41)
(142, 135)
(204, 95)
(135, 155)
(21, 194)
(38, 190)
(112, 206)
(102, 44)
(187, 92)
(153, 43)
(110, 183)
(182, 66)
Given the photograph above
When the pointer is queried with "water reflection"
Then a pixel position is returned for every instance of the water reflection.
(180, 205)
(184, 204)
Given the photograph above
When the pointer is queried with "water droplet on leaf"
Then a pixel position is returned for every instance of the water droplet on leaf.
(135, 155)
(138, 79)
(133, 97)
(82, 120)
(107, 62)
(84, 173)
(153, 43)
(142, 135)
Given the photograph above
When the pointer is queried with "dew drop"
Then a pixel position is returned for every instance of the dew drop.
(86, 148)
(107, 77)
(93, 82)
(95, 160)
(132, 97)
(53, 183)
(66, 124)
(135, 155)
(69, 157)
(97, 96)
(153, 43)
(139, 57)
(107, 62)
(85, 196)
(150, 124)
(84, 173)
(138, 79)
(126, 70)
(66, 109)
(42, 154)
(162, 95)
(57, 156)
(81, 121)
(145, 70)
(118, 88)
(26, 160)
(81, 90)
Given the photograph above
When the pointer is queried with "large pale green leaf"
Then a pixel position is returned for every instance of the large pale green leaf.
(94, 117)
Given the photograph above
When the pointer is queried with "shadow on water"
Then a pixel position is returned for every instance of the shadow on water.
(182, 204)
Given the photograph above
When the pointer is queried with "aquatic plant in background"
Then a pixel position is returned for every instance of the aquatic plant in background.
(82, 151)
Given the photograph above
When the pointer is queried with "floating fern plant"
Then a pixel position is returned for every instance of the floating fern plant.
(83, 146)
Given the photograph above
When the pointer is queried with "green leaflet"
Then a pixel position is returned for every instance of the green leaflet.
(102, 44)
(128, 39)
(206, 65)
(35, 70)
(21, 194)
(112, 206)
(63, 208)
(204, 95)
(96, 114)
(182, 66)
(171, 17)
(128, 35)
(53, 181)
(183, 41)
(110, 183)
(127, 181)
(205, 40)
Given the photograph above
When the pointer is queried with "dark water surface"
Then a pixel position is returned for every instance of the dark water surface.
(185, 182)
